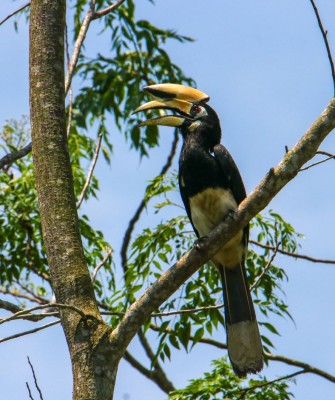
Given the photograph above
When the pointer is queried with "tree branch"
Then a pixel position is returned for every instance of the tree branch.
(12, 14)
(101, 264)
(282, 378)
(6, 305)
(148, 373)
(24, 314)
(12, 157)
(294, 255)
(40, 328)
(273, 182)
(107, 10)
(35, 379)
(15, 292)
(305, 366)
(317, 163)
(78, 44)
(159, 375)
(29, 392)
(325, 39)
(90, 171)
(273, 357)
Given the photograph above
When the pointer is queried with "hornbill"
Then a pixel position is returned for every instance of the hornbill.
(211, 187)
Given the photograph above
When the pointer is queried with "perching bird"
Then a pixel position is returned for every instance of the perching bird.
(211, 187)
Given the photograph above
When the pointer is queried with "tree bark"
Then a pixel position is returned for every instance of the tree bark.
(87, 337)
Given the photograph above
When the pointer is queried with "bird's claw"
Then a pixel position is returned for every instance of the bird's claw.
(200, 243)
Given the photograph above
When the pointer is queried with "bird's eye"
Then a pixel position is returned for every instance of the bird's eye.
(196, 109)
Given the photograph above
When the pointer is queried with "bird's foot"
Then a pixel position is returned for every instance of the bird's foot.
(230, 214)
(200, 243)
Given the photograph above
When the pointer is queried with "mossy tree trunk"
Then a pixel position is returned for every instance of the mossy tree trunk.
(87, 337)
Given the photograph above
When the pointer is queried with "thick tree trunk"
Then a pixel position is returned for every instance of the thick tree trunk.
(94, 368)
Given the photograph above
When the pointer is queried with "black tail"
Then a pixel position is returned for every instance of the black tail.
(244, 342)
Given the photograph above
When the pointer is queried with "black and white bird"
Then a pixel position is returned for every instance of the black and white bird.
(211, 186)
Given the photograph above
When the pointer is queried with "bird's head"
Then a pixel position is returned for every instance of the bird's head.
(192, 115)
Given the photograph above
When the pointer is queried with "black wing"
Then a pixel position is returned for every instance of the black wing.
(186, 202)
(232, 174)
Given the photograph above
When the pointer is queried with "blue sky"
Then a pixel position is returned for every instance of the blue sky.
(264, 64)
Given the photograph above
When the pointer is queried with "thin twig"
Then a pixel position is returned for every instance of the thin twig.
(107, 10)
(70, 89)
(273, 357)
(305, 366)
(282, 378)
(316, 163)
(38, 299)
(294, 255)
(325, 39)
(30, 395)
(188, 311)
(14, 13)
(23, 313)
(21, 295)
(90, 171)
(265, 268)
(35, 379)
(168, 313)
(103, 261)
(78, 44)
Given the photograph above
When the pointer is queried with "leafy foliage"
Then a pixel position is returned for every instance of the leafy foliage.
(21, 248)
(222, 383)
(114, 84)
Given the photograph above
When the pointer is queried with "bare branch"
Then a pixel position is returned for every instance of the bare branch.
(14, 13)
(23, 314)
(12, 157)
(317, 163)
(325, 39)
(282, 378)
(16, 293)
(38, 299)
(305, 366)
(30, 395)
(148, 373)
(78, 44)
(101, 264)
(169, 313)
(107, 10)
(159, 375)
(6, 305)
(70, 88)
(187, 311)
(266, 190)
(90, 171)
(273, 357)
(294, 255)
(137, 365)
(35, 379)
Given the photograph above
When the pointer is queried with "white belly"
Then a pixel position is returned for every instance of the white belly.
(208, 209)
